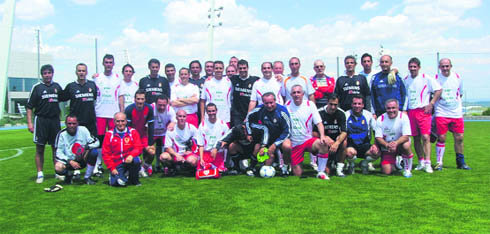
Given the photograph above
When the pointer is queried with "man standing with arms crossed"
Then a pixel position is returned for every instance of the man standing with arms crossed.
(323, 85)
(449, 113)
(419, 89)
(43, 101)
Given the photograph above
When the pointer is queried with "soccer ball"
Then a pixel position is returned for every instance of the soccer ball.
(267, 172)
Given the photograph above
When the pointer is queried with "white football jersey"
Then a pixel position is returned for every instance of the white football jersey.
(302, 119)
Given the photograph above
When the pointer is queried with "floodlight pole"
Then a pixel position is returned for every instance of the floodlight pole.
(96, 55)
(5, 42)
(213, 13)
(38, 42)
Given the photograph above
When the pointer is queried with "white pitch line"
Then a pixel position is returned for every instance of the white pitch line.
(19, 152)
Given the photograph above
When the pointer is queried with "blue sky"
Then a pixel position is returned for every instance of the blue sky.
(175, 31)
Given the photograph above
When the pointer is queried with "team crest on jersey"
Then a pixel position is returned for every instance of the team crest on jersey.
(357, 82)
(249, 85)
(335, 121)
(44, 91)
(274, 120)
(160, 85)
(90, 89)
(148, 85)
(346, 84)
(78, 91)
(362, 122)
(126, 140)
(237, 85)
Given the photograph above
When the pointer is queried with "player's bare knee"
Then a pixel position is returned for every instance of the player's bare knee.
(59, 167)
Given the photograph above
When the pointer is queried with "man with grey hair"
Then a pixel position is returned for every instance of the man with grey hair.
(449, 113)
(323, 84)
(393, 137)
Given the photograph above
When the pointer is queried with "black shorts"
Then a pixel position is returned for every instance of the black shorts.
(361, 149)
(45, 130)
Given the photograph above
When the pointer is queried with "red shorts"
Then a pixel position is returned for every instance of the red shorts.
(455, 125)
(297, 156)
(388, 158)
(187, 156)
(103, 123)
(420, 122)
(219, 161)
(192, 119)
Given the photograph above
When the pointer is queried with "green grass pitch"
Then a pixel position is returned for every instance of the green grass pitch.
(453, 201)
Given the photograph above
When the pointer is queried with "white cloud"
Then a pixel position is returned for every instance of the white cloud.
(82, 38)
(84, 2)
(33, 9)
(369, 5)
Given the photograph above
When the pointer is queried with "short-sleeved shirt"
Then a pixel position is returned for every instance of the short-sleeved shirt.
(140, 119)
(43, 99)
(180, 140)
(450, 104)
(419, 90)
(291, 81)
(334, 123)
(82, 101)
(162, 120)
(392, 129)
(185, 91)
(107, 103)
(348, 87)
(303, 117)
(242, 89)
(210, 133)
(219, 93)
(359, 128)
(154, 87)
(263, 86)
(127, 90)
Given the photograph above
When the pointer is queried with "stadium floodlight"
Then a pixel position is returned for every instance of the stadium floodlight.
(213, 14)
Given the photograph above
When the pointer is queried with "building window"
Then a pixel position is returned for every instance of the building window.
(29, 83)
(16, 84)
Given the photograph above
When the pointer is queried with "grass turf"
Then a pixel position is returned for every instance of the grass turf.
(452, 201)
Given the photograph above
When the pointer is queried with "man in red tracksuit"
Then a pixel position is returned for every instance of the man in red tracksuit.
(120, 152)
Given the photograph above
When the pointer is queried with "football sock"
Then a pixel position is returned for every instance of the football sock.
(459, 159)
(408, 160)
(313, 158)
(440, 147)
(322, 164)
(89, 171)
(340, 167)
(40, 174)
(427, 162)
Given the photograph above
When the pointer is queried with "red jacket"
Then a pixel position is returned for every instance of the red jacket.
(116, 149)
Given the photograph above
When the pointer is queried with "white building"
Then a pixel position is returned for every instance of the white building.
(22, 75)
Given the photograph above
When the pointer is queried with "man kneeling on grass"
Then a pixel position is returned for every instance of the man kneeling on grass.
(120, 151)
(180, 146)
(76, 149)
(393, 137)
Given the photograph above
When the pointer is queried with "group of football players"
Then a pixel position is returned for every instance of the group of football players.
(230, 121)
